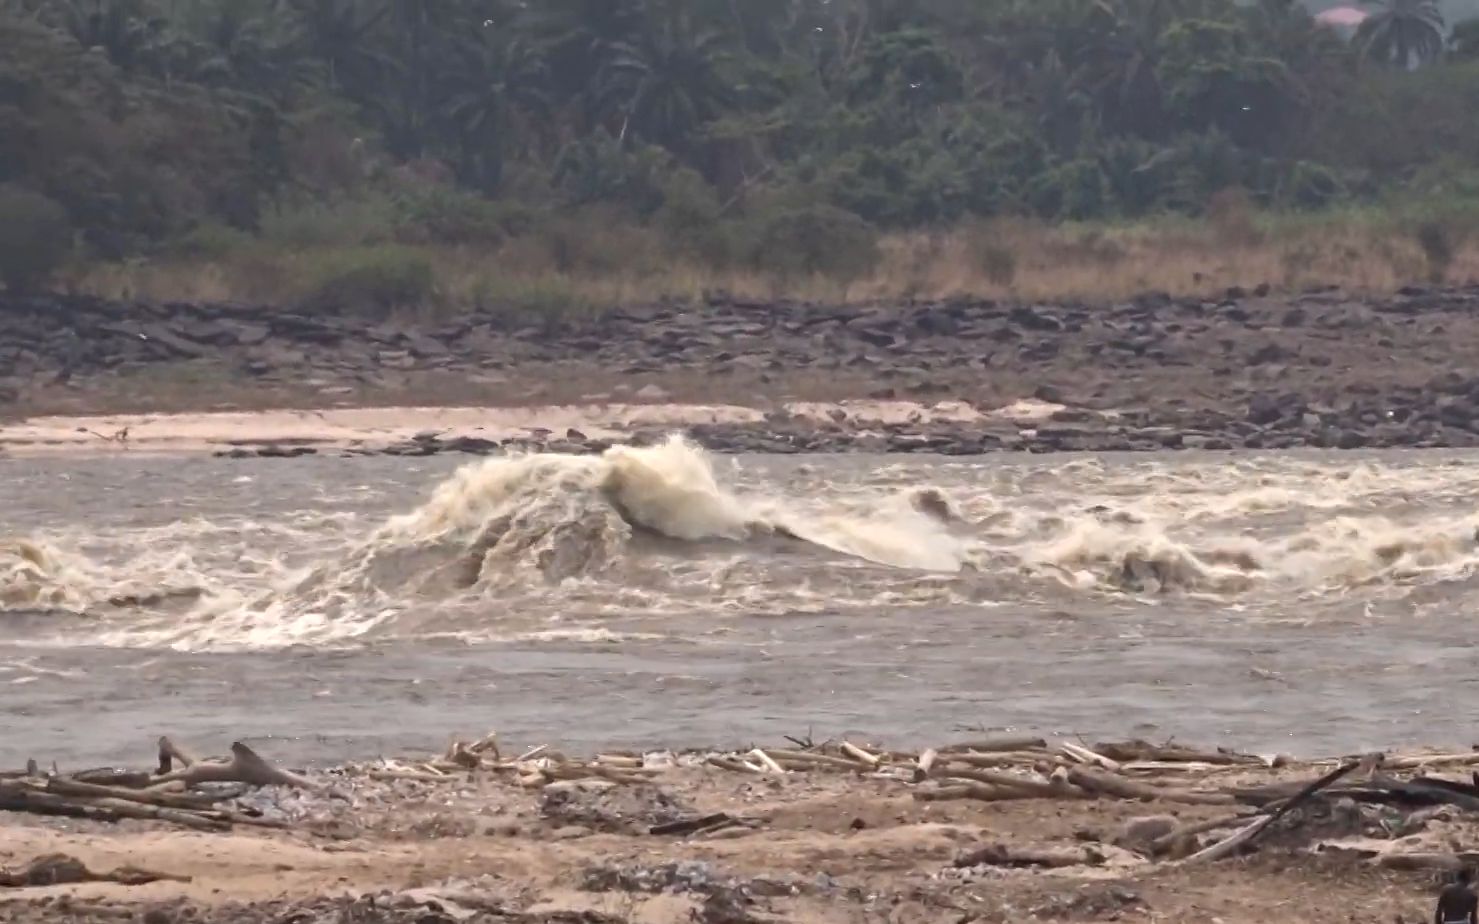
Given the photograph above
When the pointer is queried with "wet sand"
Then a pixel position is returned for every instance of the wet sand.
(375, 428)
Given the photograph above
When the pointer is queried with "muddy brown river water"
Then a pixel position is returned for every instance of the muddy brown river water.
(343, 608)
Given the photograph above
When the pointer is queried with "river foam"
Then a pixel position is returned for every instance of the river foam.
(527, 544)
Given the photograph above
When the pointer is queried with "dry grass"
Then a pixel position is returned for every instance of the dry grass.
(1093, 263)
(1003, 259)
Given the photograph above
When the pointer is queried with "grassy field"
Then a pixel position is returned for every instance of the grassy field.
(590, 262)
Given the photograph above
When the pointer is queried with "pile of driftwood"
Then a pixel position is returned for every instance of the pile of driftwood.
(1256, 795)
(532, 769)
(169, 794)
(1015, 768)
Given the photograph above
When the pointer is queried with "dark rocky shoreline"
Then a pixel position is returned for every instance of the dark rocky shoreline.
(1242, 371)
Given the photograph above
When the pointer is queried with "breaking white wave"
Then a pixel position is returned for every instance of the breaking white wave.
(1334, 556)
(507, 532)
(506, 522)
(514, 547)
(39, 576)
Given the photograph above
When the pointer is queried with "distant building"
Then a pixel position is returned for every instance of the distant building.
(1343, 19)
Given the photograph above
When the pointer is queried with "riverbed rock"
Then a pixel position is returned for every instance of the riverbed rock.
(1245, 370)
(1266, 409)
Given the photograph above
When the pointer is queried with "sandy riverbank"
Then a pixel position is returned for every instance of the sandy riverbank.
(374, 429)
(661, 838)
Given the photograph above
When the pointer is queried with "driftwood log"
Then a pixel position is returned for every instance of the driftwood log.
(700, 825)
(188, 791)
(1049, 789)
(995, 745)
(19, 799)
(1114, 785)
(1246, 836)
(1182, 834)
(1131, 751)
(1047, 857)
(61, 869)
(245, 766)
(1011, 768)
(169, 752)
(163, 795)
(114, 795)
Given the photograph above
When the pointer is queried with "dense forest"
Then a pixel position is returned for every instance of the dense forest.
(138, 124)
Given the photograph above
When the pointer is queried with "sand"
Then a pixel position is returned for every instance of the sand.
(378, 427)
(817, 848)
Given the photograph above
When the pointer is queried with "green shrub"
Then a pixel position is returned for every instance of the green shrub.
(599, 168)
(1073, 190)
(820, 240)
(1311, 186)
(1438, 246)
(210, 241)
(440, 215)
(375, 280)
(35, 238)
(692, 219)
(344, 222)
(594, 240)
(689, 205)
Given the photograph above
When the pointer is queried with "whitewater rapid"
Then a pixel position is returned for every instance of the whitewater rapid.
(545, 546)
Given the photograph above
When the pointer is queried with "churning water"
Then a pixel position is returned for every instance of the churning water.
(350, 607)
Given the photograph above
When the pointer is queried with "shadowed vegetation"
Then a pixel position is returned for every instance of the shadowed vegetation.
(437, 148)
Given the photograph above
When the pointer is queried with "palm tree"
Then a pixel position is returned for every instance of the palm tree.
(1463, 44)
(1063, 110)
(125, 30)
(667, 80)
(22, 9)
(418, 41)
(1117, 65)
(576, 37)
(759, 24)
(246, 45)
(1403, 33)
(496, 96)
(338, 33)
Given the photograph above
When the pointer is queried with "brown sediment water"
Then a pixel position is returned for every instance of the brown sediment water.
(349, 607)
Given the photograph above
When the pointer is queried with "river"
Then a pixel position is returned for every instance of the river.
(339, 608)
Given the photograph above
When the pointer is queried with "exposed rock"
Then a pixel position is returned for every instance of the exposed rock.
(471, 444)
(1049, 393)
(1245, 370)
(1271, 353)
(1265, 409)
(285, 452)
(1034, 319)
(1138, 833)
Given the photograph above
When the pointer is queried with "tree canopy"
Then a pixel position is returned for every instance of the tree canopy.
(144, 118)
